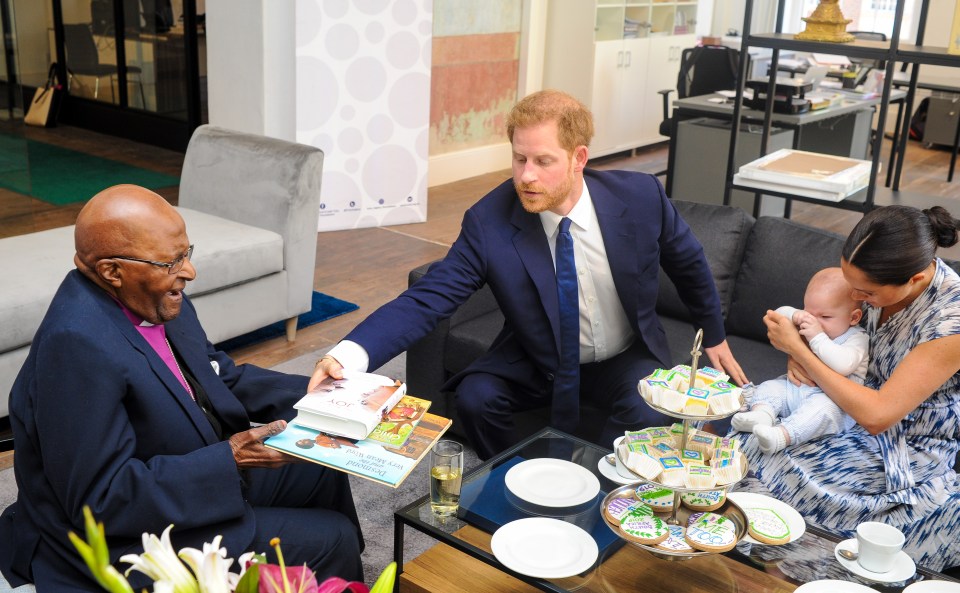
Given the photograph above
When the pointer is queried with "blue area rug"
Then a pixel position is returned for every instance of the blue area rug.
(324, 307)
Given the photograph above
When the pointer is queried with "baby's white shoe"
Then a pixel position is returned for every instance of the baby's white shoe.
(770, 438)
(746, 421)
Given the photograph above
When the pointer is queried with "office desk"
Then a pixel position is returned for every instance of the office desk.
(842, 129)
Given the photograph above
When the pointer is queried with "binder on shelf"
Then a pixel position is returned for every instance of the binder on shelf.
(809, 170)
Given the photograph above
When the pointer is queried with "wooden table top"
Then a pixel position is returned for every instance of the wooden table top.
(442, 569)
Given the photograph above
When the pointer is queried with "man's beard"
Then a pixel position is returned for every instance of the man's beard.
(547, 200)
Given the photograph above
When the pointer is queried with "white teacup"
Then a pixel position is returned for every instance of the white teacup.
(879, 545)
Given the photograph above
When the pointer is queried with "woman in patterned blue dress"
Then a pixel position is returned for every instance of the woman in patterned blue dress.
(896, 464)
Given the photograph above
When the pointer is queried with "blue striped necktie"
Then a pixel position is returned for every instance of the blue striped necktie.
(566, 388)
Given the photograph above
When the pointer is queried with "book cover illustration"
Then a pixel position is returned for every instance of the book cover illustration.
(350, 407)
(398, 424)
(365, 458)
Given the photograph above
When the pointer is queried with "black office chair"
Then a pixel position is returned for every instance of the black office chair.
(83, 58)
(870, 36)
(703, 70)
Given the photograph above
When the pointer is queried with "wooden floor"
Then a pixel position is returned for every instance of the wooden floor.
(369, 266)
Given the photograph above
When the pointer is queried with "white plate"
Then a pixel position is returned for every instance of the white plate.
(903, 566)
(933, 587)
(750, 500)
(544, 548)
(832, 586)
(610, 473)
(553, 483)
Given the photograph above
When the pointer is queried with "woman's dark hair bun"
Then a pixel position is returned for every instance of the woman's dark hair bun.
(944, 225)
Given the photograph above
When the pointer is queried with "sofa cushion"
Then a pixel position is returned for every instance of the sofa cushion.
(471, 339)
(33, 265)
(780, 259)
(230, 252)
(723, 231)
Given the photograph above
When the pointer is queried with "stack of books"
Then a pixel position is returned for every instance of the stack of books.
(807, 174)
(363, 424)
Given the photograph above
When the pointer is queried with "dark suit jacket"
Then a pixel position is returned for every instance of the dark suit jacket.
(100, 420)
(502, 245)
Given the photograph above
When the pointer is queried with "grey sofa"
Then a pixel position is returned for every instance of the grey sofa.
(250, 204)
(757, 265)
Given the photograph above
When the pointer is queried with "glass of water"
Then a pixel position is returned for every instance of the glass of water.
(446, 476)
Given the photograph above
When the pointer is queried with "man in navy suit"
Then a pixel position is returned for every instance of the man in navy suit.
(124, 406)
(623, 228)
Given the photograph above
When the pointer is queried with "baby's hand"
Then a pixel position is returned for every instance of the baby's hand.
(808, 324)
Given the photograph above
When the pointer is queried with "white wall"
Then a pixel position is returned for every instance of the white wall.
(251, 75)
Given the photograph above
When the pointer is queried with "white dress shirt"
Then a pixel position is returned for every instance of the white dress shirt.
(604, 328)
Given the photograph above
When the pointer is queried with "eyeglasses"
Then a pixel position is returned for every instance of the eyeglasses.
(172, 266)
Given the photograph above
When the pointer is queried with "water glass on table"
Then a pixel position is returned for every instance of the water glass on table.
(446, 476)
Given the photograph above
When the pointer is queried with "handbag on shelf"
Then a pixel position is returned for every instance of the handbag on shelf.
(43, 108)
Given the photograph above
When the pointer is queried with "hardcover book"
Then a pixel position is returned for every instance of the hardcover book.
(350, 407)
(400, 421)
(365, 458)
(823, 172)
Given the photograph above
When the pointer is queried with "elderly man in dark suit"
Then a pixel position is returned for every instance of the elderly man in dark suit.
(124, 406)
(572, 256)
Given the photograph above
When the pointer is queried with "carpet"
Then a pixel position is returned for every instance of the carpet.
(323, 307)
(63, 176)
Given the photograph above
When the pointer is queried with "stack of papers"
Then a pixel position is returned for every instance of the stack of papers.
(808, 174)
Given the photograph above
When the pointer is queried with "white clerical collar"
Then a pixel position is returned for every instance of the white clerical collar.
(580, 215)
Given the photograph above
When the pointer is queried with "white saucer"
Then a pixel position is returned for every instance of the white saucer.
(544, 548)
(932, 586)
(610, 472)
(553, 483)
(903, 566)
(833, 586)
(751, 500)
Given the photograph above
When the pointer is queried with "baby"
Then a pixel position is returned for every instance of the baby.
(829, 322)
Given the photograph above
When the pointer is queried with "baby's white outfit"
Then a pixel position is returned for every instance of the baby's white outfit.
(806, 412)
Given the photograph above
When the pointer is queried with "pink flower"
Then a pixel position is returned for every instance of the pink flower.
(299, 579)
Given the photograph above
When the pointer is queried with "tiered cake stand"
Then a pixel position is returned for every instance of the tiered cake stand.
(680, 514)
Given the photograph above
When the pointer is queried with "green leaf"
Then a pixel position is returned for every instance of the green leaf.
(250, 581)
(385, 581)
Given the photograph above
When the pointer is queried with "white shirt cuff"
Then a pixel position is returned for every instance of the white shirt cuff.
(351, 356)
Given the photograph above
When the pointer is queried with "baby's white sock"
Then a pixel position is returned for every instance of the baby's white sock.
(771, 438)
(760, 415)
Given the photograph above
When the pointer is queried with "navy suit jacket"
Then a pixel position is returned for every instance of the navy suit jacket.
(100, 420)
(502, 245)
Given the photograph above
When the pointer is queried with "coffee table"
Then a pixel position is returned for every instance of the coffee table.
(464, 560)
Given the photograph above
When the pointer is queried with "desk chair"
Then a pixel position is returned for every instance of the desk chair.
(703, 70)
(870, 36)
(83, 58)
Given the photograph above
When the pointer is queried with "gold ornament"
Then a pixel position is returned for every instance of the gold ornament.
(826, 23)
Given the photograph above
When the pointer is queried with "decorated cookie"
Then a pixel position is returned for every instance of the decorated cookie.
(675, 542)
(703, 501)
(618, 508)
(645, 529)
(711, 533)
(766, 526)
(659, 499)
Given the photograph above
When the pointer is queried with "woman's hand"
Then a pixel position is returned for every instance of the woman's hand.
(797, 375)
(783, 334)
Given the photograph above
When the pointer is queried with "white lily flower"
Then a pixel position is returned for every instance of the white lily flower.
(160, 562)
(211, 567)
